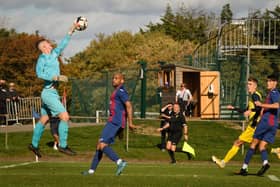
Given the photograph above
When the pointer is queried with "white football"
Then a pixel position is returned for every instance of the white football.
(83, 23)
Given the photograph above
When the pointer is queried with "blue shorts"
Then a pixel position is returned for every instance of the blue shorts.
(265, 132)
(109, 133)
(51, 104)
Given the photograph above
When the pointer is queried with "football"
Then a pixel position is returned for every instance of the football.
(83, 23)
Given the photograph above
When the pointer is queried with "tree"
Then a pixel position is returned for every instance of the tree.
(123, 49)
(185, 24)
(18, 56)
(226, 14)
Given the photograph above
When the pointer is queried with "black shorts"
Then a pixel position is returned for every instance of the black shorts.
(54, 125)
(174, 137)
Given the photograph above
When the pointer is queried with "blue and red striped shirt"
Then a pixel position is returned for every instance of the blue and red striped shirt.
(118, 113)
(269, 114)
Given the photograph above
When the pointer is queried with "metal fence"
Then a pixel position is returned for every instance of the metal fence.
(22, 109)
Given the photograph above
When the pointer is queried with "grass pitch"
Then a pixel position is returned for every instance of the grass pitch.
(135, 174)
(147, 165)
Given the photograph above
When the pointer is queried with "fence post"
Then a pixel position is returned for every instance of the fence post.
(143, 88)
(6, 133)
(97, 116)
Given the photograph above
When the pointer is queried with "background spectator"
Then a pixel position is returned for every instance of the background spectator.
(3, 98)
(184, 98)
(13, 94)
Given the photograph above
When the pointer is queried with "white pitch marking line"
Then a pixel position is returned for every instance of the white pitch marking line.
(16, 165)
(273, 178)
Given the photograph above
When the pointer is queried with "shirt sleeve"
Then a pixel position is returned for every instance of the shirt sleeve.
(256, 97)
(123, 95)
(61, 46)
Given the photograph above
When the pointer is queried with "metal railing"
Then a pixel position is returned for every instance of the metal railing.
(22, 109)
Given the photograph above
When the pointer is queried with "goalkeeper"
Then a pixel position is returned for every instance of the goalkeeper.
(47, 69)
(253, 114)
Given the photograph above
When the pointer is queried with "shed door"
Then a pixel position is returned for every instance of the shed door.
(210, 94)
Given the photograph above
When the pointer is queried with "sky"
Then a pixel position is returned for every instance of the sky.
(53, 18)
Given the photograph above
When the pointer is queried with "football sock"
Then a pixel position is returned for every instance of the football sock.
(110, 153)
(90, 171)
(171, 154)
(231, 153)
(249, 155)
(63, 133)
(96, 159)
(244, 166)
(37, 133)
(265, 162)
(264, 156)
(119, 161)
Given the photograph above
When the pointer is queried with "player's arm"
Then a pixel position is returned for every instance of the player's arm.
(239, 110)
(185, 128)
(165, 107)
(163, 112)
(275, 101)
(166, 126)
(165, 116)
(64, 42)
(129, 111)
(266, 105)
(185, 131)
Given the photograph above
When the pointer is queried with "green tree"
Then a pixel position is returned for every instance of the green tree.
(123, 49)
(185, 24)
(272, 14)
(226, 14)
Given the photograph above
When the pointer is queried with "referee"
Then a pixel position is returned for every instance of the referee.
(177, 127)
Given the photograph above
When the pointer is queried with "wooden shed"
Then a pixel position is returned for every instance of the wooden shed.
(203, 84)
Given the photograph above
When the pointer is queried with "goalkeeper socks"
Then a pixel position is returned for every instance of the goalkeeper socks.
(249, 155)
(63, 133)
(110, 153)
(231, 153)
(37, 133)
(96, 159)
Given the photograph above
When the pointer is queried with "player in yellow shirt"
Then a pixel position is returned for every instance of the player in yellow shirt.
(253, 114)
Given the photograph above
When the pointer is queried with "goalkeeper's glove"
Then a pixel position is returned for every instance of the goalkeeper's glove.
(61, 78)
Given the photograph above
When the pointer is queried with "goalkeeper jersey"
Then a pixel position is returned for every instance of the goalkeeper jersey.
(48, 65)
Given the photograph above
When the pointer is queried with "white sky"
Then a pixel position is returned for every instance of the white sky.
(54, 17)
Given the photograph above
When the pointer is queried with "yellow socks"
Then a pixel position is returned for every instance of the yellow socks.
(231, 153)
